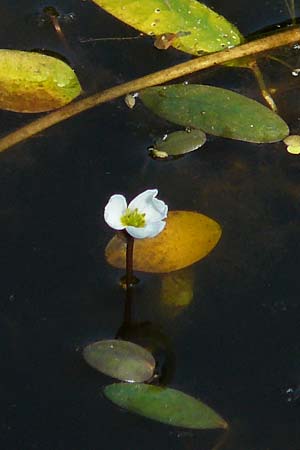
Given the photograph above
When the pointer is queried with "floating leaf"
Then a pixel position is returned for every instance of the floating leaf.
(165, 405)
(32, 82)
(177, 289)
(215, 111)
(197, 28)
(123, 360)
(178, 143)
(293, 144)
(187, 237)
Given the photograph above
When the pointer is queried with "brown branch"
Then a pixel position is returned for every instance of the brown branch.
(180, 70)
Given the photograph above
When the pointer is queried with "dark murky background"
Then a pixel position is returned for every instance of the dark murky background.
(237, 345)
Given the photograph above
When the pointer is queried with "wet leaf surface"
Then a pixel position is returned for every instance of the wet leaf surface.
(188, 237)
(180, 142)
(216, 111)
(164, 405)
(32, 82)
(197, 28)
(123, 360)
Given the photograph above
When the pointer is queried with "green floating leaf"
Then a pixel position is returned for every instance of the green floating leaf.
(187, 238)
(123, 360)
(164, 405)
(197, 28)
(32, 82)
(179, 143)
(215, 111)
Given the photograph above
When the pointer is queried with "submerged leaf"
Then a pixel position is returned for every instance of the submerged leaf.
(179, 143)
(196, 27)
(177, 289)
(123, 360)
(164, 405)
(187, 238)
(32, 82)
(216, 111)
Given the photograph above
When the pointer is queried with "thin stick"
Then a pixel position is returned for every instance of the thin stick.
(186, 68)
(129, 38)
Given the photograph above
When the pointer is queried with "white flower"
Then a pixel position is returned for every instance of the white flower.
(142, 218)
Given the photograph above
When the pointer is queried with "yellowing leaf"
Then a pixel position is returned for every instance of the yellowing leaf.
(187, 238)
(197, 28)
(32, 82)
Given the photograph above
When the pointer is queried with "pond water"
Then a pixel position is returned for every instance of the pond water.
(236, 346)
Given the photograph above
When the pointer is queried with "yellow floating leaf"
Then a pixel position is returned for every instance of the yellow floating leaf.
(32, 82)
(187, 238)
(293, 144)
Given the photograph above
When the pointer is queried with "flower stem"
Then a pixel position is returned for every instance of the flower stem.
(129, 261)
(262, 85)
(250, 48)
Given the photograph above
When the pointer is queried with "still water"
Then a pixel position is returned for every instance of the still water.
(237, 345)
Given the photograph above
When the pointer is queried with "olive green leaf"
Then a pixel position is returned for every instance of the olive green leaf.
(123, 360)
(216, 111)
(178, 143)
(164, 405)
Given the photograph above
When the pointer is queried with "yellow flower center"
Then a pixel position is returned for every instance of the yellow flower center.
(133, 218)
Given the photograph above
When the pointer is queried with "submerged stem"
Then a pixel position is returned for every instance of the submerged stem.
(291, 10)
(129, 261)
(186, 68)
(262, 85)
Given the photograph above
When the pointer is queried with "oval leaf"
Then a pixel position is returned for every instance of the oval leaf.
(216, 111)
(165, 405)
(187, 238)
(197, 28)
(293, 144)
(32, 82)
(179, 143)
(123, 360)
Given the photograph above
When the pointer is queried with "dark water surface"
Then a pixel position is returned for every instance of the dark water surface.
(237, 345)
